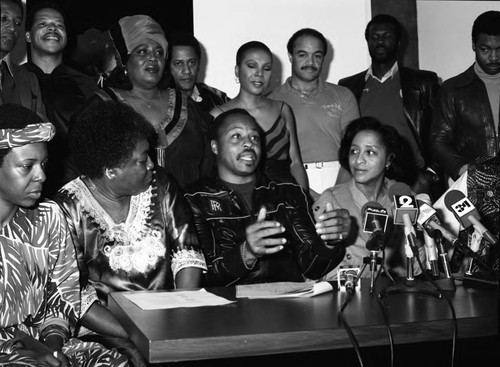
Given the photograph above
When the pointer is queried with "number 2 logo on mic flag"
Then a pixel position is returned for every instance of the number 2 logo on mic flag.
(405, 204)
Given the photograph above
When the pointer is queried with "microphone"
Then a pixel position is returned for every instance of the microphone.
(375, 222)
(406, 212)
(431, 251)
(429, 220)
(467, 214)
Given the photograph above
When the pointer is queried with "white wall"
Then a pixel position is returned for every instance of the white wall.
(444, 32)
(222, 26)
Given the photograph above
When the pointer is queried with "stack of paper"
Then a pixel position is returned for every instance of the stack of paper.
(282, 289)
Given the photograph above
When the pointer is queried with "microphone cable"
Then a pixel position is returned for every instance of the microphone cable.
(440, 295)
(343, 321)
(384, 314)
(447, 299)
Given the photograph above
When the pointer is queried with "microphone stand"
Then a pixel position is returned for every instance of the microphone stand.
(410, 285)
(373, 260)
(447, 283)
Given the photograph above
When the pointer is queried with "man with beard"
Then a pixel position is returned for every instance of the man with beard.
(466, 114)
(16, 84)
(322, 110)
(252, 229)
(400, 97)
(64, 89)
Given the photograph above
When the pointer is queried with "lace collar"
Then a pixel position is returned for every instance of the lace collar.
(133, 244)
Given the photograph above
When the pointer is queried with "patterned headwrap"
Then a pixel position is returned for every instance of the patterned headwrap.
(33, 133)
(131, 31)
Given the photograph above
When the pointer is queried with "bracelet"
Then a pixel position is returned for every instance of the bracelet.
(52, 330)
(244, 246)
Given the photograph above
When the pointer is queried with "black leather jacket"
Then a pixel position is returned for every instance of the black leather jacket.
(418, 88)
(463, 128)
(222, 216)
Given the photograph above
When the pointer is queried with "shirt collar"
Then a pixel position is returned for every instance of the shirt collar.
(7, 61)
(319, 89)
(195, 96)
(387, 75)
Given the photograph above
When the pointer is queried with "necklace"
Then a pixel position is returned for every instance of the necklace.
(139, 102)
(302, 91)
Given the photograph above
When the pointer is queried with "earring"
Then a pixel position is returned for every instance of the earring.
(237, 80)
(125, 72)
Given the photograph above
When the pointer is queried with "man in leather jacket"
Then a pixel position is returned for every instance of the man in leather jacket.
(465, 120)
(408, 93)
(254, 230)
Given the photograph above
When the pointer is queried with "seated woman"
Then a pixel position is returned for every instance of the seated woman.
(140, 80)
(39, 291)
(282, 162)
(371, 152)
(130, 224)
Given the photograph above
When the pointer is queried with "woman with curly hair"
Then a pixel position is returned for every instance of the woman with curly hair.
(372, 152)
(39, 290)
(130, 224)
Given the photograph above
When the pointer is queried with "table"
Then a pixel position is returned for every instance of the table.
(252, 327)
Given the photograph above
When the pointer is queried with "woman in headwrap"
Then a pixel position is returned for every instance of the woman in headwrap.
(39, 289)
(140, 80)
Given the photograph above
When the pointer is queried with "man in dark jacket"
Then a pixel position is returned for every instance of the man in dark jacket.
(465, 120)
(254, 230)
(398, 96)
(64, 89)
(16, 84)
(184, 61)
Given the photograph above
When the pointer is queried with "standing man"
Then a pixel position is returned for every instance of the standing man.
(184, 62)
(64, 89)
(398, 96)
(254, 230)
(465, 119)
(322, 110)
(16, 84)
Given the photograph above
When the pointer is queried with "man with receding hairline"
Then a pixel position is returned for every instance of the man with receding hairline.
(322, 110)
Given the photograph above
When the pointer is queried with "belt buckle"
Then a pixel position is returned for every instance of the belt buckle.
(319, 165)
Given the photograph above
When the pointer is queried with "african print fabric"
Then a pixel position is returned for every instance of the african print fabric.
(39, 285)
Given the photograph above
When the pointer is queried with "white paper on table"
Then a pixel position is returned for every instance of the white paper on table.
(164, 300)
(283, 290)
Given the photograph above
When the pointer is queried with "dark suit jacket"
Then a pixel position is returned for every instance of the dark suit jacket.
(29, 91)
(419, 88)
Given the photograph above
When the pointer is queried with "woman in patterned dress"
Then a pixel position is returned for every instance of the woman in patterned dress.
(130, 223)
(282, 162)
(39, 290)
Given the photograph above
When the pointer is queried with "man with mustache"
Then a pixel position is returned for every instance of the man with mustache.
(322, 110)
(16, 84)
(184, 60)
(398, 96)
(253, 230)
(64, 89)
(466, 113)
